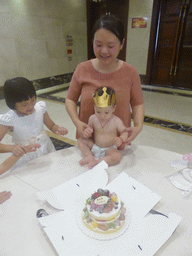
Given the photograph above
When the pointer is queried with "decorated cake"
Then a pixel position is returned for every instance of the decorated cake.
(104, 212)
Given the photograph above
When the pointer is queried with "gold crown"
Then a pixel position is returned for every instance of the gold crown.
(105, 99)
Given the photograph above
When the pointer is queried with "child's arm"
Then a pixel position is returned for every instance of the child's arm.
(119, 141)
(4, 196)
(88, 132)
(54, 127)
(4, 148)
(10, 161)
(17, 150)
(124, 136)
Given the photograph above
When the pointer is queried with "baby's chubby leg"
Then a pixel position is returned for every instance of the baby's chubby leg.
(85, 145)
(112, 157)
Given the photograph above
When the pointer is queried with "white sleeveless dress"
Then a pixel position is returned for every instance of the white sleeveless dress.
(27, 130)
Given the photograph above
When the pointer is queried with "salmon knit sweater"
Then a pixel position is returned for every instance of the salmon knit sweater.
(125, 81)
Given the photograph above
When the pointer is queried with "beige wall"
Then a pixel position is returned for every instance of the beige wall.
(138, 38)
(33, 37)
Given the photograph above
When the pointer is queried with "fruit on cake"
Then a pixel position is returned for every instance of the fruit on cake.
(103, 212)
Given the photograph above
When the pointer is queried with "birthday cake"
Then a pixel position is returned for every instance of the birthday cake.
(104, 212)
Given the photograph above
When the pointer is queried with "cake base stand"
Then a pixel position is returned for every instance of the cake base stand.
(100, 236)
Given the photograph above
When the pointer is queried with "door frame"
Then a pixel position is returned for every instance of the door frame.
(155, 19)
(91, 20)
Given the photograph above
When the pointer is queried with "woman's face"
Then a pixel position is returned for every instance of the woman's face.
(106, 46)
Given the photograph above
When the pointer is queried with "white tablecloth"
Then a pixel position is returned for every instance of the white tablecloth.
(20, 232)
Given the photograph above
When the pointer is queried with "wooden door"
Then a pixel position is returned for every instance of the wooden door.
(172, 64)
(96, 8)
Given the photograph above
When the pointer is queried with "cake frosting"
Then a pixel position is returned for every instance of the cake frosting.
(103, 212)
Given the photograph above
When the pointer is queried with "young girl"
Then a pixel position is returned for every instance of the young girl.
(25, 119)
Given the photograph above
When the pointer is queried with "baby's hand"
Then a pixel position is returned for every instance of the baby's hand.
(61, 131)
(117, 141)
(88, 132)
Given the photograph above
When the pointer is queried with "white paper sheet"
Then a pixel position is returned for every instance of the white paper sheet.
(138, 198)
(142, 238)
(64, 195)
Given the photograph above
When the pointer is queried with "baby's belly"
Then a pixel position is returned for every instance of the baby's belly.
(104, 140)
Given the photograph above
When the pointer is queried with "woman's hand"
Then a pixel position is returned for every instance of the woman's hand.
(132, 133)
(138, 117)
(81, 126)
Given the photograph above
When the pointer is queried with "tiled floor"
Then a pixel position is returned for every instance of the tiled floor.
(168, 118)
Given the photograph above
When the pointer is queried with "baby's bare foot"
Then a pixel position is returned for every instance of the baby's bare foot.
(85, 160)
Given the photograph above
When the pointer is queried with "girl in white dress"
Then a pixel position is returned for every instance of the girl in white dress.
(26, 120)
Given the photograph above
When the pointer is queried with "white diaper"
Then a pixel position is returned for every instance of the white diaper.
(100, 152)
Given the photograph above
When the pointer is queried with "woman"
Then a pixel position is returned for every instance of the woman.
(107, 70)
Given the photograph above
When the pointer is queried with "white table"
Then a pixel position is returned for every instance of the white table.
(21, 233)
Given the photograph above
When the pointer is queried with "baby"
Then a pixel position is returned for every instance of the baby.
(106, 132)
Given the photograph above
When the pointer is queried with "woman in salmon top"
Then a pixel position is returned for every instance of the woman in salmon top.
(107, 70)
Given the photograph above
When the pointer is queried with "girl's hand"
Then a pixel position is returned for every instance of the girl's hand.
(32, 147)
(19, 150)
(61, 131)
(88, 132)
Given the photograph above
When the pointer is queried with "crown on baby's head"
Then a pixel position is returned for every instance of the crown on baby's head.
(104, 97)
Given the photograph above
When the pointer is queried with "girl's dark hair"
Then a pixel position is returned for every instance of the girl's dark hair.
(17, 90)
(112, 23)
